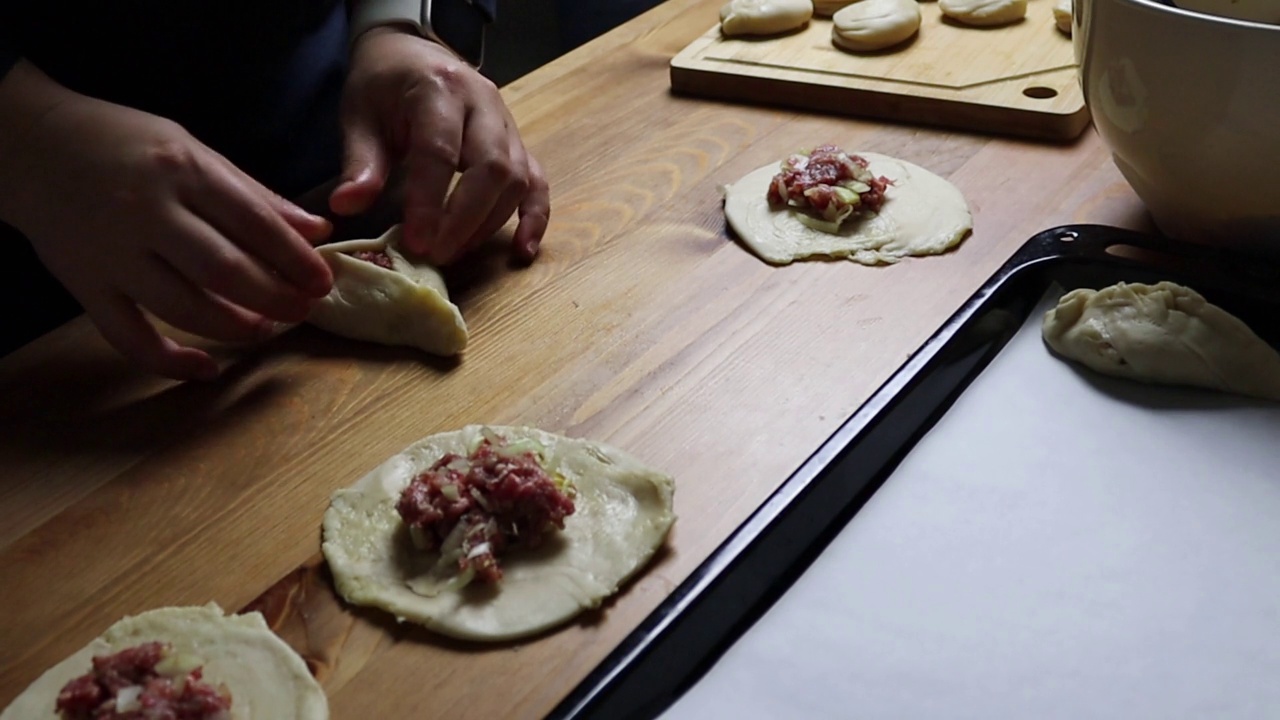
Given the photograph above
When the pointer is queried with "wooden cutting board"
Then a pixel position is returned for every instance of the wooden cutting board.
(1018, 79)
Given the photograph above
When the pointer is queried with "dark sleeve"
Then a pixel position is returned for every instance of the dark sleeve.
(9, 55)
(10, 52)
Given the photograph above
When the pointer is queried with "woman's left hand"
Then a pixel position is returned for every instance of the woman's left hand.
(408, 98)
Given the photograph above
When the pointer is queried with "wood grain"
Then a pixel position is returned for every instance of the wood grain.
(1017, 79)
(643, 325)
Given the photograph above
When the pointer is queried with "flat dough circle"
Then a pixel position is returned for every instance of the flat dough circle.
(1163, 333)
(623, 511)
(764, 17)
(922, 215)
(407, 305)
(869, 25)
(267, 679)
(984, 13)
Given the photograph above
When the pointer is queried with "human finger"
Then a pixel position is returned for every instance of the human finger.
(434, 152)
(534, 213)
(249, 215)
(313, 228)
(126, 329)
(513, 195)
(490, 188)
(185, 306)
(364, 168)
(211, 261)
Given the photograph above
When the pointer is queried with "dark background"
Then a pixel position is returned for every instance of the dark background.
(531, 33)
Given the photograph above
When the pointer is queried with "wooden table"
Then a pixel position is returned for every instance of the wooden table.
(642, 325)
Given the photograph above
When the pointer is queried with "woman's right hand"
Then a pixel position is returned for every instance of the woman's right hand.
(132, 213)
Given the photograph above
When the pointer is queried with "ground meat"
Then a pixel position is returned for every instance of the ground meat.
(477, 506)
(377, 257)
(810, 182)
(147, 694)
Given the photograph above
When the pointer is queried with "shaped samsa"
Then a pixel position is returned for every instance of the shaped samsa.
(1163, 333)
(381, 296)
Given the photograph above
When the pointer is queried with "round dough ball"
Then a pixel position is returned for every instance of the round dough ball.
(984, 13)
(875, 24)
(764, 17)
(827, 8)
(1062, 15)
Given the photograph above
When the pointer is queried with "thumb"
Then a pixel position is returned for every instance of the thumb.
(364, 170)
(313, 228)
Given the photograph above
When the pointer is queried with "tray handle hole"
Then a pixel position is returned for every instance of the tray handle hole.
(1039, 92)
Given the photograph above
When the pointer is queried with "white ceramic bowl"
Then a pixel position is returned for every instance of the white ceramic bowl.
(1189, 104)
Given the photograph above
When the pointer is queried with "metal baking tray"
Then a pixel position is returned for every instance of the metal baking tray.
(721, 600)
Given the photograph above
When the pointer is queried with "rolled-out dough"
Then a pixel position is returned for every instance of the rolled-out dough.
(922, 214)
(623, 511)
(267, 679)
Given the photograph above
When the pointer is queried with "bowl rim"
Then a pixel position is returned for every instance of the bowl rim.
(1169, 8)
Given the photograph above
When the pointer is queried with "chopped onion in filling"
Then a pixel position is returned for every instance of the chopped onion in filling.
(470, 509)
(826, 187)
(127, 699)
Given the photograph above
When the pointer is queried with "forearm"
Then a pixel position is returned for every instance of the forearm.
(27, 98)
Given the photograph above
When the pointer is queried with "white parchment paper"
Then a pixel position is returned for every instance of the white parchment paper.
(1060, 545)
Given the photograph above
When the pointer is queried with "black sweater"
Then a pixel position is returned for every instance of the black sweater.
(257, 80)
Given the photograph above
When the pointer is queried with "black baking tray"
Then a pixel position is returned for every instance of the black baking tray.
(681, 639)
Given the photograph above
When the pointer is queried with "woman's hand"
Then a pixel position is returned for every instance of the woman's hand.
(131, 212)
(409, 98)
